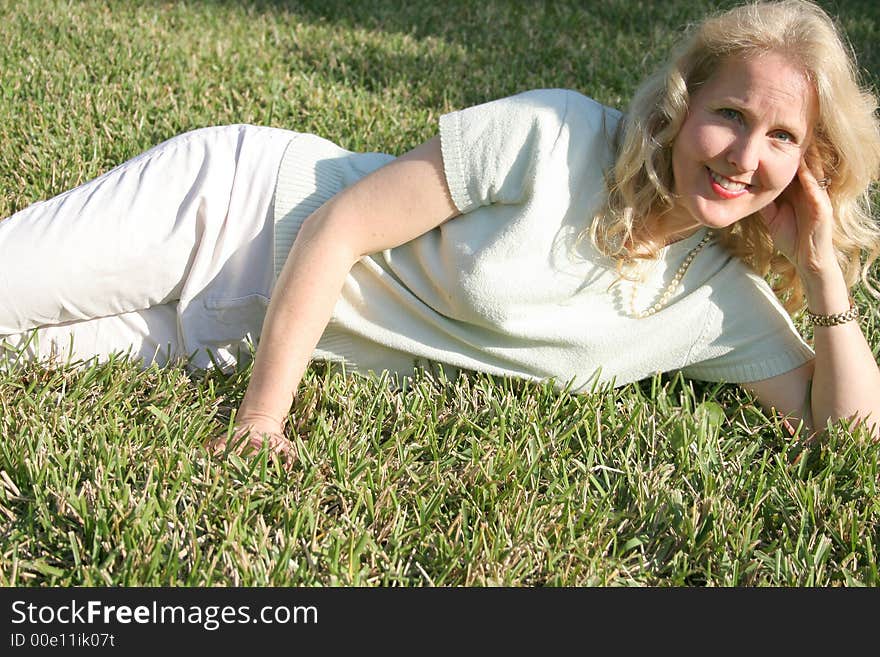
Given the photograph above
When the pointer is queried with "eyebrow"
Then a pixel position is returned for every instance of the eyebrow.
(742, 106)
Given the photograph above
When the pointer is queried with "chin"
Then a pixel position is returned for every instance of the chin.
(715, 217)
(721, 223)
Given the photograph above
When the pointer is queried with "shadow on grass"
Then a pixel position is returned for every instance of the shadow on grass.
(604, 43)
(482, 50)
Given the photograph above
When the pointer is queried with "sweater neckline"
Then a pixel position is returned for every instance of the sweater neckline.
(684, 245)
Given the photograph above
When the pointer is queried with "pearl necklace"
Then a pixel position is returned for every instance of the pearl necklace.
(673, 284)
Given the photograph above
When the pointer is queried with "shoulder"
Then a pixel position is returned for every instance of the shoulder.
(549, 113)
(500, 151)
(551, 102)
(584, 123)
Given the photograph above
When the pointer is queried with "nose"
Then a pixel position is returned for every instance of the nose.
(744, 152)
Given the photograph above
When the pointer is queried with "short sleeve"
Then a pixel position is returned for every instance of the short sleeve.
(491, 151)
(749, 336)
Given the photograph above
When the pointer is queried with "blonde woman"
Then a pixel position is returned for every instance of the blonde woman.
(542, 236)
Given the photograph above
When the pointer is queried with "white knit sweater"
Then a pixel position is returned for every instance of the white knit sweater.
(505, 288)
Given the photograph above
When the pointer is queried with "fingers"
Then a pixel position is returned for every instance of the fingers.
(812, 173)
(246, 441)
(811, 201)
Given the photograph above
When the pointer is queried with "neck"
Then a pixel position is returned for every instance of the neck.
(662, 230)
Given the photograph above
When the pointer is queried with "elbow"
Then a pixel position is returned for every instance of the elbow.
(322, 232)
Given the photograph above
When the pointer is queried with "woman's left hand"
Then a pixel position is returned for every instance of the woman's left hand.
(801, 220)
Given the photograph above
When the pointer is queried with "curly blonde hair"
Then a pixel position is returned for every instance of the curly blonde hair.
(847, 137)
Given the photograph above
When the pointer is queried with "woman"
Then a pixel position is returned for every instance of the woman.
(540, 236)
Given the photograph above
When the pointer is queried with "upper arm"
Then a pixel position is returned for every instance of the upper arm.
(788, 394)
(392, 205)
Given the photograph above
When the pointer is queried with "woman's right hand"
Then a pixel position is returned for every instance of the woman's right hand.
(249, 436)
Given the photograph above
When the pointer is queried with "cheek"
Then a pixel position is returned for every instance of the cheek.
(711, 141)
(699, 143)
(780, 174)
(684, 153)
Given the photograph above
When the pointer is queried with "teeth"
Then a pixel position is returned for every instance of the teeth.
(726, 183)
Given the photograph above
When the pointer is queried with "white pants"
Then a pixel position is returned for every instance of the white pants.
(133, 261)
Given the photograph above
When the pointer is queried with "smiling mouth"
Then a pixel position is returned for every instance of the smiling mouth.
(725, 187)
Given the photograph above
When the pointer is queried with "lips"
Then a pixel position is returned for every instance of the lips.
(725, 187)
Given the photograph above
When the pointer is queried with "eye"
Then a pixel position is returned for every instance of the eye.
(730, 114)
(782, 135)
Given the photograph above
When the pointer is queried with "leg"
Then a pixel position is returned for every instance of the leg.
(149, 335)
(118, 243)
(124, 241)
(189, 214)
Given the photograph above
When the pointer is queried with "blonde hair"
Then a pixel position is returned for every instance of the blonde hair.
(846, 134)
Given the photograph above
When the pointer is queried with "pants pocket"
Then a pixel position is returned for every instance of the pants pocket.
(233, 328)
(223, 306)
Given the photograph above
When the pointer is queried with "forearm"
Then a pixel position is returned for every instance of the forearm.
(301, 306)
(391, 206)
(846, 379)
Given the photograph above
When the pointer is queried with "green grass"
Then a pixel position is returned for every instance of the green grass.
(481, 481)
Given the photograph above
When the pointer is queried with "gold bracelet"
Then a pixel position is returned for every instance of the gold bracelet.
(837, 318)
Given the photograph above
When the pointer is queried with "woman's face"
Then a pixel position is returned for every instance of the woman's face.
(740, 146)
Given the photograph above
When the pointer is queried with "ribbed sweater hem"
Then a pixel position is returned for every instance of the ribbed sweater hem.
(300, 190)
(742, 373)
(450, 147)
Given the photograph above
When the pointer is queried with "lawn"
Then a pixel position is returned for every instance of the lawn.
(482, 481)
